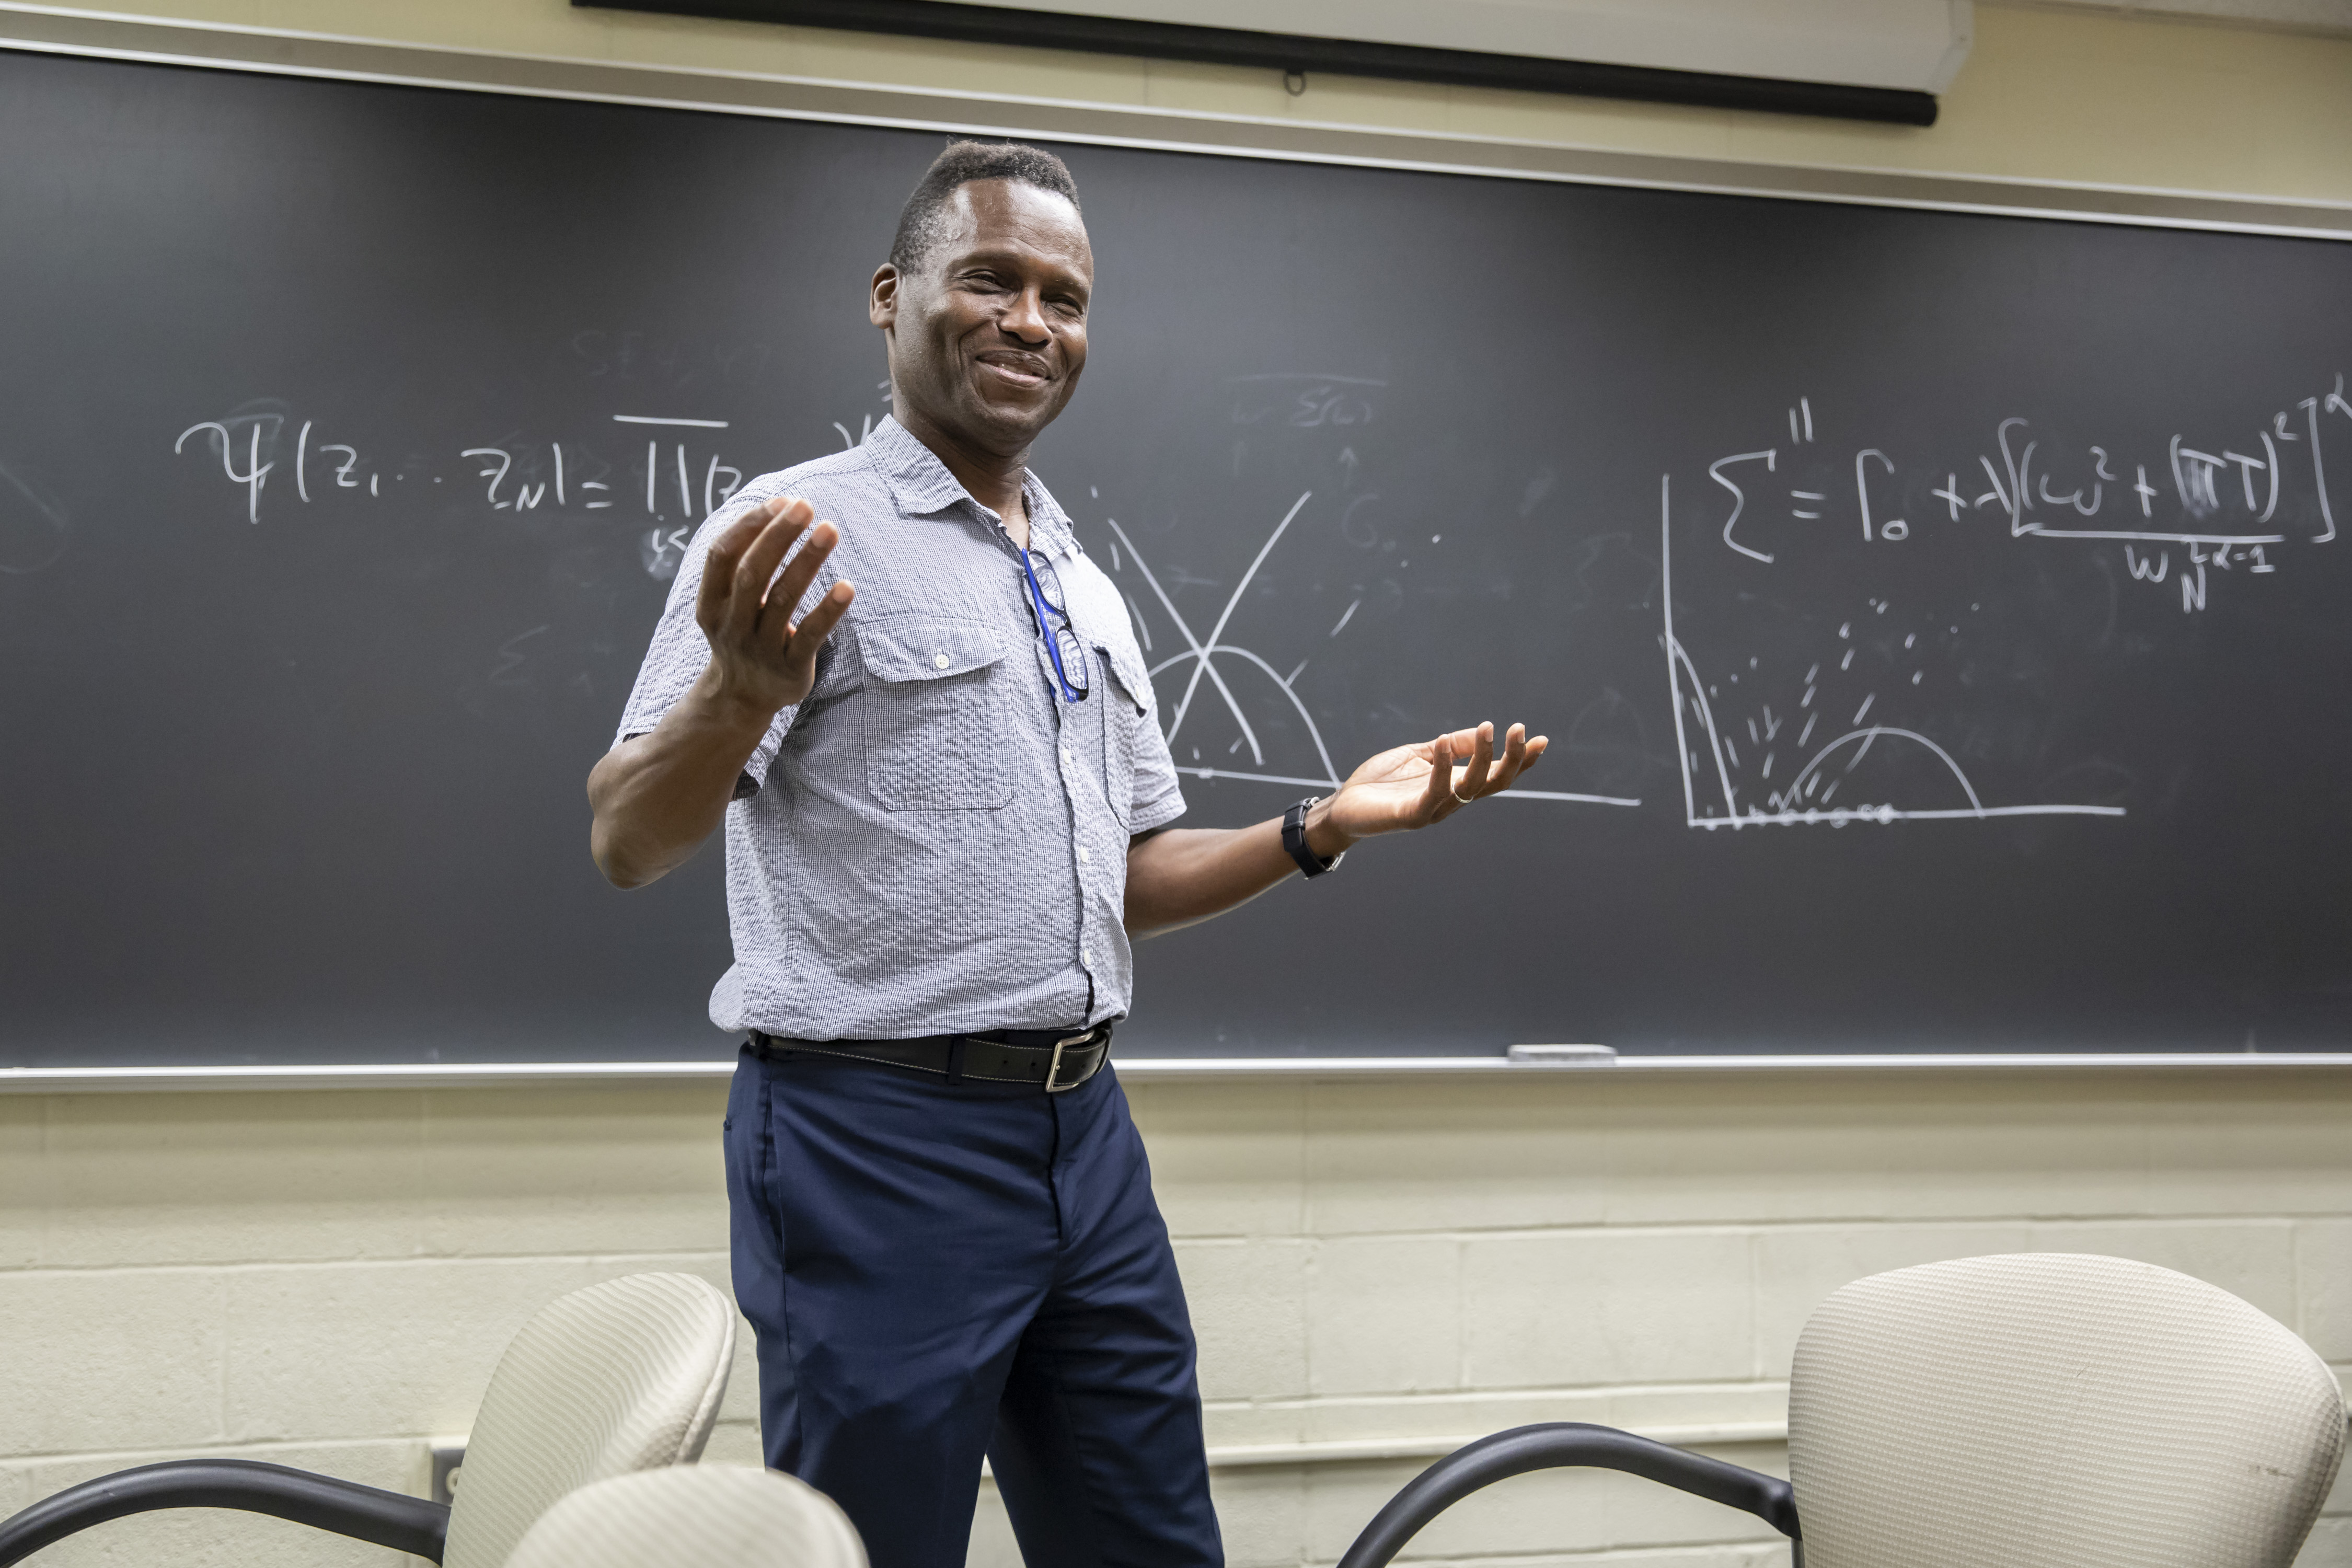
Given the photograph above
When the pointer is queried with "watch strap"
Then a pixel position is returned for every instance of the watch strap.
(1293, 839)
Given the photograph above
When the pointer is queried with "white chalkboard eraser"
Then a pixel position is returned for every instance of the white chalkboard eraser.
(1565, 1056)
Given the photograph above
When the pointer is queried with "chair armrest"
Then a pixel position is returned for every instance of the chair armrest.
(364, 1513)
(1552, 1446)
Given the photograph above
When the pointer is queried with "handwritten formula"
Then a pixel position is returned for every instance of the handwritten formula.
(2219, 508)
(678, 477)
(1789, 731)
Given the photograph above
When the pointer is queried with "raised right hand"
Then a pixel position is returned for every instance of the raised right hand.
(761, 661)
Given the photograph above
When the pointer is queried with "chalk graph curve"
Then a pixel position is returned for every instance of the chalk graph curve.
(1203, 656)
(1786, 814)
(1714, 743)
(1315, 734)
(1866, 736)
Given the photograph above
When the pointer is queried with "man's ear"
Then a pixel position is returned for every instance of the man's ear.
(882, 307)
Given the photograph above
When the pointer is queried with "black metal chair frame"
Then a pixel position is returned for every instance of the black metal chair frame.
(1561, 1443)
(364, 1513)
(416, 1526)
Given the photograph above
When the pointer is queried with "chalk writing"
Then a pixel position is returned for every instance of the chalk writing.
(2221, 510)
(679, 478)
(2203, 505)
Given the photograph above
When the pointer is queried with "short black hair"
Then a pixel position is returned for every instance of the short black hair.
(921, 226)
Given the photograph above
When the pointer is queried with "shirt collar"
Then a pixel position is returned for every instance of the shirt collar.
(1049, 525)
(917, 479)
(921, 485)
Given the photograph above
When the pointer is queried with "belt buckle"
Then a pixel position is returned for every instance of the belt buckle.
(1054, 1068)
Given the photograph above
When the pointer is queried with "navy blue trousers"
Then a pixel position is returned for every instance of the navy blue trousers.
(938, 1271)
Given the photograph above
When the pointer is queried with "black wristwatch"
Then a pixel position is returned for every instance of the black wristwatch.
(1293, 839)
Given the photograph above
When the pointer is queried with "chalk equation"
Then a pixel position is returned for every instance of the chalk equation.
(2219, 510)
(669, 485)
(1759, 744)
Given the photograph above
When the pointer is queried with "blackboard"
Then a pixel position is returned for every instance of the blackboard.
(1938, 616)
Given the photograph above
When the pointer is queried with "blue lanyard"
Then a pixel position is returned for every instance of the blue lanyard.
(1072, 692)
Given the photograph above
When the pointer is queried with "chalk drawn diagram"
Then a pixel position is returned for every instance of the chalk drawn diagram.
(1807, 798)
(2238, 510)
(1202, 655)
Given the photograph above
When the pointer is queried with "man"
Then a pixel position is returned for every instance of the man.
(941, 827)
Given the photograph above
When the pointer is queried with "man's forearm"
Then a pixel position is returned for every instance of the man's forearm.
(1183, 876)
(659, 796)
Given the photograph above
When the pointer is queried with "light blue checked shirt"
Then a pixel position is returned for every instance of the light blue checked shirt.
(934, 841)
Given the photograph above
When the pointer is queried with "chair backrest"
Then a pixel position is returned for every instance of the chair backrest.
(621, 1376)
(2055, 1409)
(728, 1516)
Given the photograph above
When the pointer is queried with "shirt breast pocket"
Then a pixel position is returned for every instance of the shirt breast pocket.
(1127, 707)
(934, 714)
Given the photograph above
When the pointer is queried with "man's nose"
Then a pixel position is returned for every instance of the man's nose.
(1024, 318)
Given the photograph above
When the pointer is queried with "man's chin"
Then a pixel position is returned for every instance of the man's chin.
(1010, 423)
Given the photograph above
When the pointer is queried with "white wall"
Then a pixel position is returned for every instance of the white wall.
(326, 1279)
(2046, 94)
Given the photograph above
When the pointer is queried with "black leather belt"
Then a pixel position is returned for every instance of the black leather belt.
(1050, 1060)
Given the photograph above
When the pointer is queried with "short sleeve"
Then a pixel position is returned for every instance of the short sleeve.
(1155, 801)
(1158, 800)
(679, 651)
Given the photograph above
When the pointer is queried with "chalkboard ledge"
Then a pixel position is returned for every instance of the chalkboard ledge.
(1139, 1069)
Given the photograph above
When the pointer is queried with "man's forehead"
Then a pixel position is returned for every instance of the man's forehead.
(991, 214)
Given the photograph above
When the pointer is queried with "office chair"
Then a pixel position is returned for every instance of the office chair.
(2036, 1409)
(621, 1376)
(730, 1516)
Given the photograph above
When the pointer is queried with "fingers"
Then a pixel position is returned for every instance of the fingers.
(1519, 754)
(1512, 761)
(719, 565)
(785, 592)
(1473, 782)
(1434, 794)
(748, 594)
(1484, 773)
(800, 652)
(1463, 742)
(741, 579)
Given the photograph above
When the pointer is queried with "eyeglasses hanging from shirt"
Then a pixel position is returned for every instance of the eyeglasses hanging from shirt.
(1062, 645)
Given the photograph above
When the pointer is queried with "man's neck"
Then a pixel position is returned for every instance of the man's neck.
(993, 479)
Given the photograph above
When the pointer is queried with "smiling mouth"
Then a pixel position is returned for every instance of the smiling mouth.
(1021, 376)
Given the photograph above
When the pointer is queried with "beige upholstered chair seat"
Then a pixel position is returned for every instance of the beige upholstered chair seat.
(2043, 1410)
(619, 1378)
(2047, 1410)
(727, 1516)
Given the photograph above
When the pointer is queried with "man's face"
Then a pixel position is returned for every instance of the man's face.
(987, 339)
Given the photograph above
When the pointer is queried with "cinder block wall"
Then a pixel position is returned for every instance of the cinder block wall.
(326, 1279)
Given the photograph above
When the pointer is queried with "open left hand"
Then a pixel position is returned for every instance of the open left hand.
(1412, 786)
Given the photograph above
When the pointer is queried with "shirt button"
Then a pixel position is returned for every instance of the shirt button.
(1084, 956)
(1065, 756)
(1084, 856)
(939, 662)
